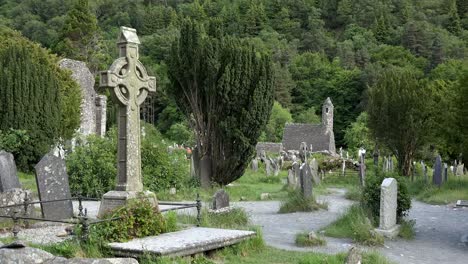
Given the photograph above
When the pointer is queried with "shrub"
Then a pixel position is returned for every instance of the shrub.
(407, 229)
(92, 165)
(138, 219)
(371, 194)
(12, 140)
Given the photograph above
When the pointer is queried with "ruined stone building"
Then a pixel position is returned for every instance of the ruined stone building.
(93, 105)
(320, 136)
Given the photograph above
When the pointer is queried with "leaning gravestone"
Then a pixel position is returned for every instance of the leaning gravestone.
(8, 175)
(220, 200)
(306, 181)
(314, 171)
(388, 208)
(52, 184)
(437, 175)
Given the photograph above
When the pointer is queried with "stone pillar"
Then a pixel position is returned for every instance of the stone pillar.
(306, 181)
(388, 208)
(362, 170)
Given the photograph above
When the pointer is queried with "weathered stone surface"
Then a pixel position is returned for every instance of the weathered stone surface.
(101, 115)
(296, 167)
(13, 196)
(314, 171)
(268, 147)
(52, 184)
(114, 199)
(460, 170)
(354, 256)
(129, 85)
(220, 199)
(268, 168)
(437, 176)
(255, 165)
(181, 243)
(306, 181)
(30, 255)
(8, 174)
(291, 179)
(388, 208)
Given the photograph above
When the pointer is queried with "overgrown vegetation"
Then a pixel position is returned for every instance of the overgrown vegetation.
(303, 240)
(235, 218)
(407, 230)
(296, 202)
(355, 224)
(451, 191)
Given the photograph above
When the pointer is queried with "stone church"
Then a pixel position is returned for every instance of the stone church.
(320, 136)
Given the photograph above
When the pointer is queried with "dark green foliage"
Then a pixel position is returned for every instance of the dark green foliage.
(12, 140)
(371, 194)
(92, 166)
(35, 96)
(138, 219)
(226, 87)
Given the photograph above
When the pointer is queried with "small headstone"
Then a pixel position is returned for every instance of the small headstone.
(255, 165)
(52, 184)
(460, 170)
(388, 208)
(306, 181)
(312, 236)
(291, 179)
(437, 176)
(268, 167)
(314, 171)
(8, 176)
(354, 256)
(264, 196)
(172, 191)
(220, 199)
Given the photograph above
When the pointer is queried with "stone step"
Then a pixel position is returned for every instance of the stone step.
(181, 243)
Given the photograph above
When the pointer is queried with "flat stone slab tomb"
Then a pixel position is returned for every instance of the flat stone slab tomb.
(181, 243)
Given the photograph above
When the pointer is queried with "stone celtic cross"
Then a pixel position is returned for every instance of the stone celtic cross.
(129, 85)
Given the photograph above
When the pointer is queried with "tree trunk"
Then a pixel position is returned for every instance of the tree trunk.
(205, 171)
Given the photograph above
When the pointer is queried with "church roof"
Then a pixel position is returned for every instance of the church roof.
(315, 134)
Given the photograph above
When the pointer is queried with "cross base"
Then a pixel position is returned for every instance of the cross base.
(389, 233)
(114, 199)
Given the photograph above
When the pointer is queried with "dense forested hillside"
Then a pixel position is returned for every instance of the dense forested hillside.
(320, 49)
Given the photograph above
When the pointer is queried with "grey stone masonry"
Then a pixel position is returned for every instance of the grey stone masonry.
(52, 184)
(129, 85)
(8, 174)
(220, 200)
(388, 208)
(306, 181)
(93, 106)
(437, 176)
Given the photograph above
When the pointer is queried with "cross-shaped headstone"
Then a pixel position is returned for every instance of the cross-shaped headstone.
(129, 85)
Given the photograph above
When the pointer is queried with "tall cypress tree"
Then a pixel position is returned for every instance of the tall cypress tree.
(225, 88)
(33, 95)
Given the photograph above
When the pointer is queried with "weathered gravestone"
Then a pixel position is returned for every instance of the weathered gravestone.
(437, 175)
(306, 181)
(445, 172)
(362, 170)
(52, 184)
(129, 85)
(255, 165)
(388, 208)
(268, 167)
(220, 200)
(424, 171)
(8, 175)
(460, 169)
(296, 167)
(274, 166)
(291, 179)
(314, 171)
(303, 152)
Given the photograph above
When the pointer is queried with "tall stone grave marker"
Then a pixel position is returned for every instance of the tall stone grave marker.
(52, 184)
(8, 175)
(388, 208)
(129, 85)
(220, 199)
(268, 167)
(306, 181)
(362, 170)
(445, 172)
(437, 176)
(297, 174)
(314, 171)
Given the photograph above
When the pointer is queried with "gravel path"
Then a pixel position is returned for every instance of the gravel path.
(437, 241)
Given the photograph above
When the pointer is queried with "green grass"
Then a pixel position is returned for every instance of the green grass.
(28, 181)
(353, 193)
(354, 224)
(236, 218)
(407, 229)
(296, 202)
(302, 240)
(455, 189)
(249, 187)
